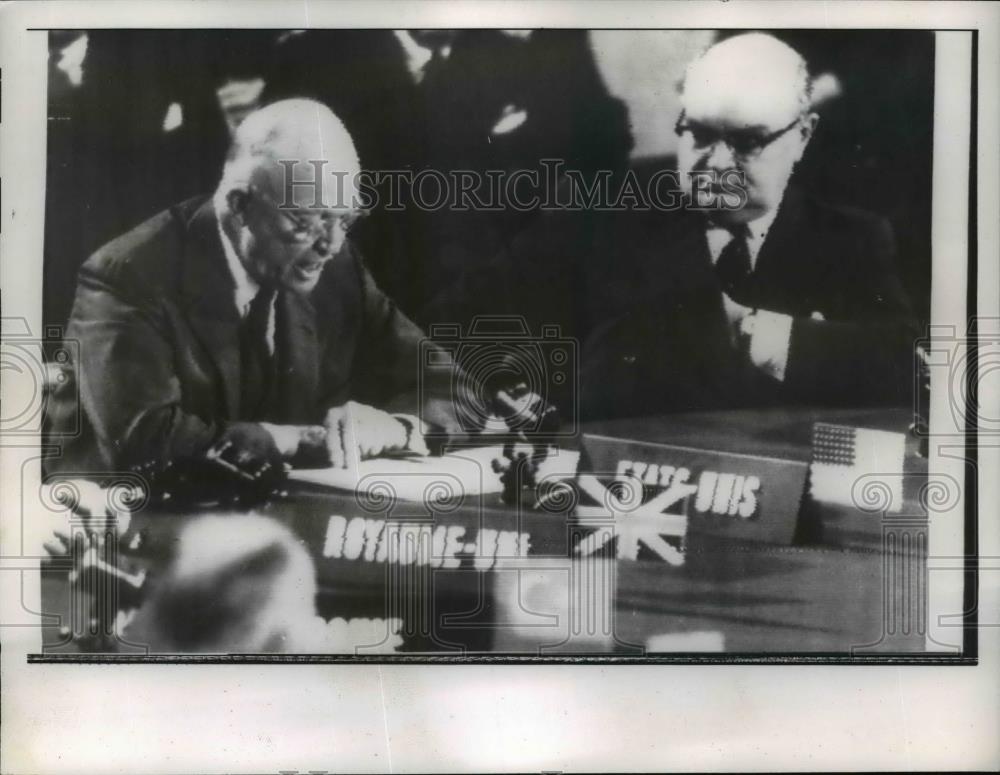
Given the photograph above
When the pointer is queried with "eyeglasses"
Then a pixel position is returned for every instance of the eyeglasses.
(744, 144)
(319, 231)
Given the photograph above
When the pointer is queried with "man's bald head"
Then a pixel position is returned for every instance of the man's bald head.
(753, 79)
(308, 138)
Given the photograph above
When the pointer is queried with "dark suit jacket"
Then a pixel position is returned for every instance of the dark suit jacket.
(158, 333)
(672, 350)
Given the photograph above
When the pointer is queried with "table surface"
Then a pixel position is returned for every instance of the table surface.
(838, 591)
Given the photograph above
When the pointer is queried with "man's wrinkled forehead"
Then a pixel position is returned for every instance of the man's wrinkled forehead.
(743, 85)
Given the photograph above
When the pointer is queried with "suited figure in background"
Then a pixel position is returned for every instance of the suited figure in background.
(454, 100)
(246, 323)
(769, 297)
(505, 100)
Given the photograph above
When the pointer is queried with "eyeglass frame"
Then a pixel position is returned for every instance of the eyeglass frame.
(313, 233)
(760, 144)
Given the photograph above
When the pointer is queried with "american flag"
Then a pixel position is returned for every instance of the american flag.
(843, 456)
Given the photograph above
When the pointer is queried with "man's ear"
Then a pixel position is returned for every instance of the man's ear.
(806, 132)
(236, 201)
(808, 128)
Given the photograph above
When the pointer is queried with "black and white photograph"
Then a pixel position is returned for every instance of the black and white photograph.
(466, 351)
(540, 345)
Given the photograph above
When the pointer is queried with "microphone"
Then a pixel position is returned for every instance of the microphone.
(524, 410)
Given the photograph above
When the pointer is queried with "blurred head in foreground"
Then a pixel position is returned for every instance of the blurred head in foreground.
(237, 584)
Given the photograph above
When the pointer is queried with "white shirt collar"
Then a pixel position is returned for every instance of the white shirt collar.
(719, 237)
(245, 287)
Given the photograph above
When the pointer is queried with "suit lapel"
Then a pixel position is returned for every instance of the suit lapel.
(682, 257)
(780, 257)
(696, 269)
(208, 287)
(701, 316)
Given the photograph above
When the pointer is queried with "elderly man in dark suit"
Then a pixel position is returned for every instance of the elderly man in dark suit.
(246, 324)
(755, 294)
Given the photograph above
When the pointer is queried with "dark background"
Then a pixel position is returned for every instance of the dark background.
(873, 147)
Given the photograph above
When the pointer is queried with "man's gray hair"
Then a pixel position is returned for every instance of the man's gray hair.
(297, 129)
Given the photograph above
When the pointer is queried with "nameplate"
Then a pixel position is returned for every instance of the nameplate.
(676, 491)
(362, 550)
(447, 578)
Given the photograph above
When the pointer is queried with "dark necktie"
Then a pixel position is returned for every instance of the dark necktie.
(256, 361)
(736, 279)
(733, 268)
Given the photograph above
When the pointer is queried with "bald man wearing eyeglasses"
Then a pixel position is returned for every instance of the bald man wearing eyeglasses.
(243, 327)
(756, 294)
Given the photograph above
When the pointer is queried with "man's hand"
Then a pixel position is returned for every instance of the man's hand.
(248, 451)
(90, 502)
(763, 335)
(356, 432)
(736, 315)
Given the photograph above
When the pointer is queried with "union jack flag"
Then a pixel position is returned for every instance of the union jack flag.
(623, 516)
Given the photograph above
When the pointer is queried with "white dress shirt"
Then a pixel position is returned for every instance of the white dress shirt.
(245, 287)
(286, 437)
(770, 332)
(719, 237)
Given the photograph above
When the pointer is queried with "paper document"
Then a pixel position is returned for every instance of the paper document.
(430, 479)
